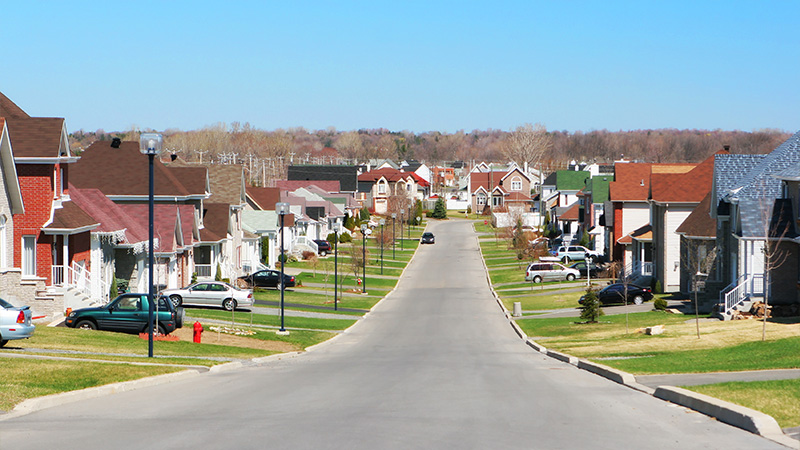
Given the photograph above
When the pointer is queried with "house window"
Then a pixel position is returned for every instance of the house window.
(516, 184)
(480, 199)
(381, 188)
(29, 256)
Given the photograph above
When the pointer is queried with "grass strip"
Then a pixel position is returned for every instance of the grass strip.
(777, 398)
(244, 318)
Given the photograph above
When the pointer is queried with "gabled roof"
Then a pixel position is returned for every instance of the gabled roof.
(689, 187)
(597, 186)
(346, 175)
(699, 224)
(112, 218)
(172, 224)
(264, 198)
(70, 219)
(572, 212)
(124, 172)
(571, 180)
(38, 137)
(227, 184)
(9, 171)
(291, 185)
(216, 221)
(517, 197)
(643, 233)
(392, 176)
(10, 109)
(631, 182)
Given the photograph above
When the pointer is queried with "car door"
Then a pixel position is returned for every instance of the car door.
(272, 278)
(199, 294)
(261, 278)
(126, 315)
(217, 293)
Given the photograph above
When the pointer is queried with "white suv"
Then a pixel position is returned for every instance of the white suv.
(538, 272)
(575, 253)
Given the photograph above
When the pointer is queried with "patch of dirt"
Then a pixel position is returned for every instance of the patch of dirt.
(211, 337)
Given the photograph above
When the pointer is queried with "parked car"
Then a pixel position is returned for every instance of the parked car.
(267, 278)
(575, 253)
(210, 293)
(538, 272)
(323, 246)
(15, 322)
(427, 238)
(581, 266)
(615, 293)
(128, 313)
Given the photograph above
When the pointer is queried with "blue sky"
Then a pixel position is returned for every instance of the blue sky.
(410, 65)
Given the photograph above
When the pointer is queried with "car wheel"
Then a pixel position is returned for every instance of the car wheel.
(180, 317)
(323, 253)
(161, 330)
(176, 300)
(537, 279)
(570, 277)
(229, 304)
(278, 286)
(638, 300)
(3, 342)
(86, 325)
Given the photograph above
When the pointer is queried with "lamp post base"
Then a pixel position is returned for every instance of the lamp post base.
(282, 333)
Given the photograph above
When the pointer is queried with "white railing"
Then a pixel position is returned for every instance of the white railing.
(78, 277)
(203, 270)
(748, 286)
(304, 240)
(638, 268)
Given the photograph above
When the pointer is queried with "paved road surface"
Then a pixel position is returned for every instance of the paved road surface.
(436, 365)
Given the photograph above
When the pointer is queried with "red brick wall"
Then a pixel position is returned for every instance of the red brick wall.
(80, 248)
(36, 184)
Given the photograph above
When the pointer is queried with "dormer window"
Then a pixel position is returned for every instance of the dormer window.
(381, 187)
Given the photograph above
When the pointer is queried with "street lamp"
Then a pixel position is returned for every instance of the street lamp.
(382, 222)
(419, 221)
(401, 230)
(335, 264)
(150, 144)
(282, 209)
(394, 216)
(364, 231)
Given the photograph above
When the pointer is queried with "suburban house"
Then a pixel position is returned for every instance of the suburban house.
(490, 188)
(698, 234)
(591, 204)
(10, 205)
(347, 176)
(559, 194)
(42, 159)
(673, 196)
(751, 198)
(378, 187)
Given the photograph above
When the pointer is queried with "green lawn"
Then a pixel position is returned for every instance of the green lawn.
(290, 296)
(245, 318)
(542, 302)
(779, 398)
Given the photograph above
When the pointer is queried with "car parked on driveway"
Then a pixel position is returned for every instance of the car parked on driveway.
(427, 238)
(323, 246)
(267, 278)
(128, 313)
(15, 322)
(615, 293)
(581, 266)
(210, 293)
(569, 253)
(547, 271)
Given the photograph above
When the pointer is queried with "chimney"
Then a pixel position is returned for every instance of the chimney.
(727, 148)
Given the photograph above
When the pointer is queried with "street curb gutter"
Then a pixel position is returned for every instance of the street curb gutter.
(48, 401)
(738, 416)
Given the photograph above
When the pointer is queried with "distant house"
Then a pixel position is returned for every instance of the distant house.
(377, 187)
(347, 176)
(591, 204)
(698, 235)
(494, 189)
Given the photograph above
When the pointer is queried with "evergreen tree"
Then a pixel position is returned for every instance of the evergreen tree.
(590, 310)
(218, 276)
(439, 211)
(364, 215)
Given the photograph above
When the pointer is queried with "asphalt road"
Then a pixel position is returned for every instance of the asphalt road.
(435, 365)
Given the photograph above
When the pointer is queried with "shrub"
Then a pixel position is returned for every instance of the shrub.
(343, 238)
(590, 310)
(218, 276)
(657, 288)
(439, 210)
(225, 280)
(331, 238)
(660, 304)
(469, 209)
(307, 254)
(194, 277)
(114, 290)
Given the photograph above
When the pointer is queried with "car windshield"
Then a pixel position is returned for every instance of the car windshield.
(427, 234)
(5, 304)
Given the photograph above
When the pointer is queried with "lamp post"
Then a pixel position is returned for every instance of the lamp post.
(282, 209)
(383, 222)
(150, 144)
(364, 231)
(419, 221)
(335, 264)
(408, 225)
(394, 216)
(401, 230)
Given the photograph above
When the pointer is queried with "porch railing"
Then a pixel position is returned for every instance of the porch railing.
(304, 240)
(78, 277)
(203, 270)
(746, 286)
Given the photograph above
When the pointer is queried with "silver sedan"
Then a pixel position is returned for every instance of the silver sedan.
(210, 293)
(15, 322)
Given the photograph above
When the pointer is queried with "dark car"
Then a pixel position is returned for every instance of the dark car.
(128, 313)
(323, 246)
(615, 293)
(580, 266)
(427, 238)
(267, 278)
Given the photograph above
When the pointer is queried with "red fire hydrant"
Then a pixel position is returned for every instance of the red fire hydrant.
(198, 331)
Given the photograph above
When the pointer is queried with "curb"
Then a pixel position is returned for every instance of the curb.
(747, 419)
(48, 401)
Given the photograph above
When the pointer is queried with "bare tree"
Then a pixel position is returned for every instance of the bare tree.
(698, 261)
(526, 144)
(776, 225)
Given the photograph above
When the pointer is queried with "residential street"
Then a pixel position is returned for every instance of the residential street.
(435, 365)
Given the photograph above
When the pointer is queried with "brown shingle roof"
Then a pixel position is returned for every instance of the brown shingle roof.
(226, 183)
(35, 137)
(631, 182)
(699, 223)
(112, 218)
(10, 109)
(215, 222)
(264, 197)
(686, 187)
(71, 217)
(571, 213)
(125, 171)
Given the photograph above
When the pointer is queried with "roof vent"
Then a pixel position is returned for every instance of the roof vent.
(641, 183)
(726, 147)
(115, 143)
